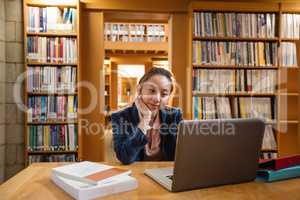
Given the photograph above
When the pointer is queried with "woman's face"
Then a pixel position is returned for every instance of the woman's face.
(156, 92)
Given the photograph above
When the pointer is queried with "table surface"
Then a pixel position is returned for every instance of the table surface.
(34, 183)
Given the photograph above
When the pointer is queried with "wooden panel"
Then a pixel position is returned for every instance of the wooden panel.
(148, 66)
(135, 17)
(131, 59)
(178, 40)
(139, 5)
(114, 86)
(56, 3)
(289, 80)
(235, 6)
(288, 107)
(289, 140)
(92, 57)
(290, 7)
(145, 46)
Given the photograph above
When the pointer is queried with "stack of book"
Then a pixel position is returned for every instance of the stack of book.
(51, 108)
(249, 107)
(51, 79)
(51, 158)
(290, 26)
(52, 137)
(279, 168)
(88, 180)
(208, 24)
(224, 81)
(51, 19)
(288, 54)
(256, 81)
(211, 108)
(51, 49)
(235, 53)
(126, 32)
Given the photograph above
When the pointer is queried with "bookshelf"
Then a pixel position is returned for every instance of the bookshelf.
(144, 38)
(51, 49)
(208, 32)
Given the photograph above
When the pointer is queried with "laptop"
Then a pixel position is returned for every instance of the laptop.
(211, 153)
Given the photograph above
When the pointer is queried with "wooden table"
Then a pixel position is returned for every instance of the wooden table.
(34, 183)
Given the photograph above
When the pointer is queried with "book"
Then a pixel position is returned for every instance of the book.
(89, 172)
(280, 163)
(276, 175)
(83, 191)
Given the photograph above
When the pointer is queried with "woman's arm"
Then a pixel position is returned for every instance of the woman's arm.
(128, 140)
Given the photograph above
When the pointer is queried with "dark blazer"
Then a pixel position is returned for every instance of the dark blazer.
(129, 141)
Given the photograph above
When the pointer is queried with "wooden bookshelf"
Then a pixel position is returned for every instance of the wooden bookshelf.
(287, 127)
(30, 63)
(129, 46)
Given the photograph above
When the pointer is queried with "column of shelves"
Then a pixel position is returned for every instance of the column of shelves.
(289, 81)
(58, 139)
(232, 95)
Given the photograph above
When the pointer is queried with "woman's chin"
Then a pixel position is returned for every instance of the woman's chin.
(154, 108)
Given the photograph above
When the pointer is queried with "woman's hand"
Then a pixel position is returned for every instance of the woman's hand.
(145, 114)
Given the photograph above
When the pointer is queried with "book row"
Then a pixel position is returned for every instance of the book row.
(240, 107)
(51, 79)
(224, 81)
(228, 24)
(134, 32)
(290, 26)
(51, 108)
(288, 54)
(51, 158)
(52, 138)
(51, 19)
(52, 49)
(235, 53)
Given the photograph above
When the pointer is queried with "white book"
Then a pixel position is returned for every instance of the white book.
(90, 172)
(80, 191)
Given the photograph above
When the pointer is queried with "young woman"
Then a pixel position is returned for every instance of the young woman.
(146, 131)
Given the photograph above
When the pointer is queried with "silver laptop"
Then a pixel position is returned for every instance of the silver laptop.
(211, 153)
